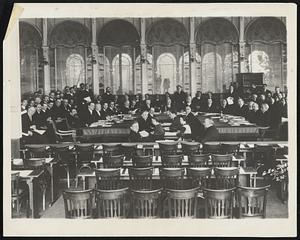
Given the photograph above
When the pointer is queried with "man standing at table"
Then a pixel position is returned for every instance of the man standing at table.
(179, 98)
(196, 126)
(107, 96)
(211, 132)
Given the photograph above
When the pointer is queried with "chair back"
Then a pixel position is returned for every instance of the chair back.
(61, 153)
(85, 153)
(211, 148)
(221, 160)
(112, 203)
(146, 203)
(128, 149)
(168, 148)
(110, 149)
(37, 151)
(142, 161)
(264, 154)
(171, 178)
(170, 161)
(108, 179)
(141, 178)
(15, 178)
(199, 160)
(252, 202)
(199, 177)
(78, 203)
(190, 148)
(113, 161)
(227, 148)
(182, 203)
(226, 178)
(34, 162)
(218, 203)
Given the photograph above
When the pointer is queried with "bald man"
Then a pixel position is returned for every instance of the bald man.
(211, 132)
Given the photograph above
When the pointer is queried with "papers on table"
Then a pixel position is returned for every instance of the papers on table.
(170, 134)
(41, 132)
(187, 129)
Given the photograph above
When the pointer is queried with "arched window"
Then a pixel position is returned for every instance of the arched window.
(122, 74)
(260, 62)
(166, 72)
(75, 71)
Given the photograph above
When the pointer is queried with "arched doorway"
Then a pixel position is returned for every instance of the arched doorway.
(266, 42)
(118, 41)
(69, 49)
(167, 40)
(217, 43)
(31, 59)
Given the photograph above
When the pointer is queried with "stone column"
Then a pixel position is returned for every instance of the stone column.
(47, 86)
(12, 132)
(242, 45)
(143, 58)
(192, 60)
(95, 64)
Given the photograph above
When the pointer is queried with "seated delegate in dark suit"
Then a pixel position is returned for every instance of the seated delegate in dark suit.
(232, 92)
(197, 102)
(57, 110)
(112, 110)
(224, 107)
(28, 127)
(98, 112)
(264, 116)
(74, 120)
(144, 122)
(40, 117)
(147, 105)
(125, 109)
(157, 104)
(241, 109)
(196, 126)
(158, 131)
(138, 135)
(211, 132)
(175, 125)
(209, 106)
(104, 111)
(88, 118)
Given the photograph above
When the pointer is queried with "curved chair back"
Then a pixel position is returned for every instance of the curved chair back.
(264, 154)
(34, 162)
(227, 148)
(108, 179)
(113, 161)
(199, 177)
(61, 153)
(211, 148)
(110, 149)
(252, 202)
(141, 178)
(146, 203)
(142, 161)
(37, 151)
(190, 148)
(170, 161)
(171, 178)
(226, 178)
(182, 203)
(221, 160)
(199, 160)
(78, 203)
(218, 203)
(84, 153)
(168, 148)
(128, 149)
(112, 203)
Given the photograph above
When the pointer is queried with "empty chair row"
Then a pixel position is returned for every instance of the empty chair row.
(125, 203)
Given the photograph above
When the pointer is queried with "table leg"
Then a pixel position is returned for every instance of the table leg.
(29, 182)
(50, 169)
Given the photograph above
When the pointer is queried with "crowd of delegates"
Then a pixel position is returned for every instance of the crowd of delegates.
(81, 108)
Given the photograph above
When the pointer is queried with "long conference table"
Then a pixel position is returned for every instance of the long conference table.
(118, 128)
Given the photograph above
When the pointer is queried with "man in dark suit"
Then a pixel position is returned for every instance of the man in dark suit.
(104, 111)
(74, 120)
(264, 116)
(241, 109)
(224, 107)
(211, 132)
(157, 104)
(196, 126)
(108, 96)
(209, 107)
(144, 122)
(175, 125)
(112, 109)
(57, 110)
(125, 109)
(179, 98)
(97, 112)
(197, 102)
(265, 91)
(252, 113)
(88, 118)
(39, 117)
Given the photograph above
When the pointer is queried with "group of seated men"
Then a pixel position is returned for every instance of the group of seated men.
(81, 108)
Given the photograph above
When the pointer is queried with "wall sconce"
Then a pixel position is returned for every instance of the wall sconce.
(192, 59)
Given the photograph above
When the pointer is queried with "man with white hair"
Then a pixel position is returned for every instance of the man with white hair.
(264, 116)
(211, 132)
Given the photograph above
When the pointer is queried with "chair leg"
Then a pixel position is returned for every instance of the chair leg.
(68, 176)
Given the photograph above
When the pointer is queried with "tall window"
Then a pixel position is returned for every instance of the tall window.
(166, 72)
(122, 74)
(75, 70)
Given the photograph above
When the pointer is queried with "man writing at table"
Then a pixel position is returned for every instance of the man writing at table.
(211, 132)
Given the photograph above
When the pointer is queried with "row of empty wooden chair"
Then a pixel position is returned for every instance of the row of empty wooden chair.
(129, 203)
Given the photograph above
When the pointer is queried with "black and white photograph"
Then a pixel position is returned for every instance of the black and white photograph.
(150, 116)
